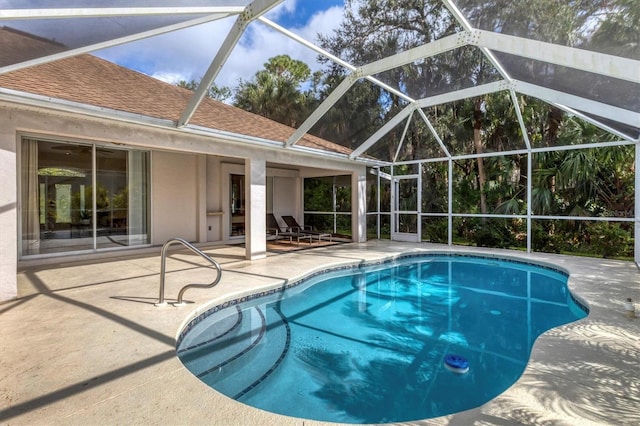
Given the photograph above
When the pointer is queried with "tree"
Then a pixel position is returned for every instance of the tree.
(292, 70)
(374, 29)
(618, 32)
(355, 116)
(276, 92)
(219, 93)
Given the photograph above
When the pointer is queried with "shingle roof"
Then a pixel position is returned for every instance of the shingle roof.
(90, 80)
(17, 46)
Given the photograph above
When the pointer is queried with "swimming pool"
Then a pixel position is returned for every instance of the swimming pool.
(367, 344)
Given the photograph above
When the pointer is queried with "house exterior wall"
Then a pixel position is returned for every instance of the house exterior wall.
(187, 181)
(174, 196)
(286, 197)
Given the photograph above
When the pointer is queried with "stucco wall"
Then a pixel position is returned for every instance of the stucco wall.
(173, 196)
(287, 197)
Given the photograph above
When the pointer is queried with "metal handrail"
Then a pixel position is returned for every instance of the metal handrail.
(163, 260)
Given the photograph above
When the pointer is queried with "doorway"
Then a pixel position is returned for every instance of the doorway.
(237, 203)
(82, 197)
(405, 201)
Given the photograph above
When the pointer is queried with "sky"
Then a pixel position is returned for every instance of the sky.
(186, 54)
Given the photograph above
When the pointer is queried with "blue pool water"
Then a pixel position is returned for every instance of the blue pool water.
(367, 344)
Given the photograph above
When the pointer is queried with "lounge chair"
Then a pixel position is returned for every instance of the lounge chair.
(274, 229)
(293, 226)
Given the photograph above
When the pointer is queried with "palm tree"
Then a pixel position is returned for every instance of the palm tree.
(275, 93)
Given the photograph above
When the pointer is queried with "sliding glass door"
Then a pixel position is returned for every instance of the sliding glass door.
(79, 197)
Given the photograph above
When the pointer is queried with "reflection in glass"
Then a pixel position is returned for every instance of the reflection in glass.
(237, 205)
(121, 197)
(60, 211)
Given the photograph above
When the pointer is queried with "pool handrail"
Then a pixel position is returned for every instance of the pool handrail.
(163, 260)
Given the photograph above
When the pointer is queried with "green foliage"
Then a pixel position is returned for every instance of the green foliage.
(611, 240)
(618, 32)
(343, 225)
(219, 93)
(274, 92)
(288, 69)
(356, 116)
(545, 238)
(343, 198)
(434, 187)
(494, 233)
(434, 230)
(318, 195)
(320, 222)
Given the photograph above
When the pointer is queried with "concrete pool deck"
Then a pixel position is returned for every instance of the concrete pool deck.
(84, 344)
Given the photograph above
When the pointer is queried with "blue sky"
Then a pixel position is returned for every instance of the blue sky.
(186, 54)
(303, 10)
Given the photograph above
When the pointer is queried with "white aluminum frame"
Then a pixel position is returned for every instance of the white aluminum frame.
(102, 12)
(602, 64)
(250, 13)
(528, 216)
(111, 43)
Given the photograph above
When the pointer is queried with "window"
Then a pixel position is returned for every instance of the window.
(69, 205)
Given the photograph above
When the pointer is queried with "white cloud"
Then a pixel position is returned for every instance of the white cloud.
(261, 43)
(323, 22)
(186, 54)
(286, 7)
(169, 77)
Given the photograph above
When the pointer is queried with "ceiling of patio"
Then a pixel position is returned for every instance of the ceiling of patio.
(595, 85)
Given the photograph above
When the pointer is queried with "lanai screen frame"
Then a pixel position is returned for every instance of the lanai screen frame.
(247, 12)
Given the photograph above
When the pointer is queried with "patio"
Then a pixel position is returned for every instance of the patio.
(84, 344)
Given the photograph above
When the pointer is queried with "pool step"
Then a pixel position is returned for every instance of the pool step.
(239, 359)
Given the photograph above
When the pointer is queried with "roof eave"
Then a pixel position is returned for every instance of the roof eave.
(61, 105)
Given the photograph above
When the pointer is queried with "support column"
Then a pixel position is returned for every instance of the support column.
(8, 217)
(359, 206)
(201, 203)
(255, 172)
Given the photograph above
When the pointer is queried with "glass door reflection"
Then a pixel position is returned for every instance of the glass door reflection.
(237, 205)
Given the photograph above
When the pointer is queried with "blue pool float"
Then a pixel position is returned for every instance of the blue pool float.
(456, 363)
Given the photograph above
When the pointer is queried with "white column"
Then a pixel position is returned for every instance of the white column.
(359, 205)
(201, 203)
(8, 217)
(255, 208)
